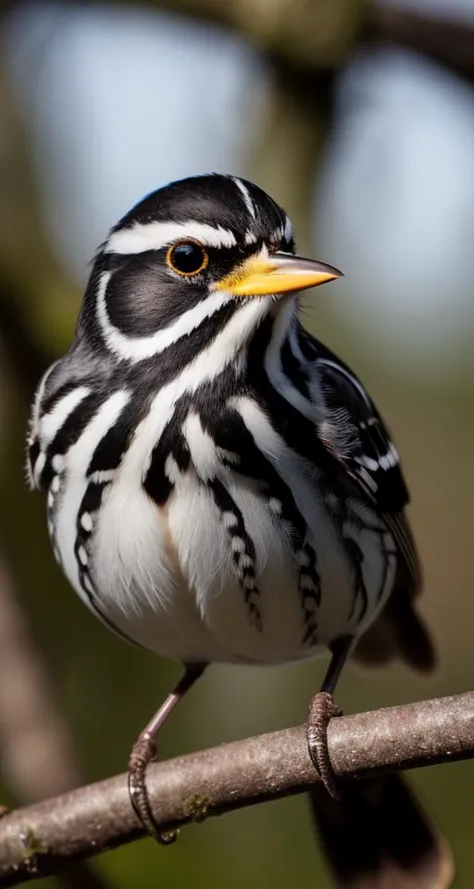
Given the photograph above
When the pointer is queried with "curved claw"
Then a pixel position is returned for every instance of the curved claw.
(321, 710)
(143, 753)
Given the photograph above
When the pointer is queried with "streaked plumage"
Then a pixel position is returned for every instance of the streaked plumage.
(220, 485)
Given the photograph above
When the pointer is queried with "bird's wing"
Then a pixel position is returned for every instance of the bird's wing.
(356, 435)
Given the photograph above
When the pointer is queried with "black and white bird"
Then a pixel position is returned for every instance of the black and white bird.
(221, 487)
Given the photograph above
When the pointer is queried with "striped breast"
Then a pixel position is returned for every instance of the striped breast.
(201, 535)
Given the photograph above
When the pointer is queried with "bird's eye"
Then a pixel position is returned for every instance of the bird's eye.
(187, 258)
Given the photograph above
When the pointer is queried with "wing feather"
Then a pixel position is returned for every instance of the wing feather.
(356, 435)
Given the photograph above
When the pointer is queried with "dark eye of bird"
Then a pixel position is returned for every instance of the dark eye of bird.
(187, 258)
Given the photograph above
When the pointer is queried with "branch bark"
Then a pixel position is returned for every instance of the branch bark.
(39, 839)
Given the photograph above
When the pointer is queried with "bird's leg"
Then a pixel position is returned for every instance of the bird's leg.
(321, 710)
(144, 752)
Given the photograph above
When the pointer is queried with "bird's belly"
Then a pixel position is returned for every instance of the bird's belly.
(183, 580)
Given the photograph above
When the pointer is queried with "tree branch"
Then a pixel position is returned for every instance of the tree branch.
(39, 839)
(286, 149)
(443, 38)
(315, 34)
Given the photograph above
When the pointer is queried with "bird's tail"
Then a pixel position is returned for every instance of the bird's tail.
(378, 837)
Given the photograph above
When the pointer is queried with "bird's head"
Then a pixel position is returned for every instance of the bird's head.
(188, 257)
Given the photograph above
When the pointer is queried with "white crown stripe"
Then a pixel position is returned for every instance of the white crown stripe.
(156, 235)
(246, 196)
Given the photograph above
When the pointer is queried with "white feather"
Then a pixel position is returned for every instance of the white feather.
(77, 460)
(312, 409)
(168, 577)
(156, 235)
(54, 421)
(246, 196)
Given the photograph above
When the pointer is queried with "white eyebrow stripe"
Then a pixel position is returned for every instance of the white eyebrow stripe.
(155, 235)
(246, 196)
(138, 348)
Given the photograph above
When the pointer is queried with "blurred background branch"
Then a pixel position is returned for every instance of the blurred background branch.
(306, 42)
(36, 748)
(445, 38)
(315, 34)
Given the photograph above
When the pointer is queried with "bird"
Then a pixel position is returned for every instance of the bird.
(221, 488)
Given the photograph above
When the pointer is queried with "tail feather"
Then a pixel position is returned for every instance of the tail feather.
(398, 632)
(378, 837)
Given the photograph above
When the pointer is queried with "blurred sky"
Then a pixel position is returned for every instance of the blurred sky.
(119, 101)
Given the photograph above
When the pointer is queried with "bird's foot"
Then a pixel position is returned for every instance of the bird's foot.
(321, 710)
(143, 753)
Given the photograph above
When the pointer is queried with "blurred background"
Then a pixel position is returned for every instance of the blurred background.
(359, 118)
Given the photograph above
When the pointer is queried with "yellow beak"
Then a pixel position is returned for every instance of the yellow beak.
(276, 273)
